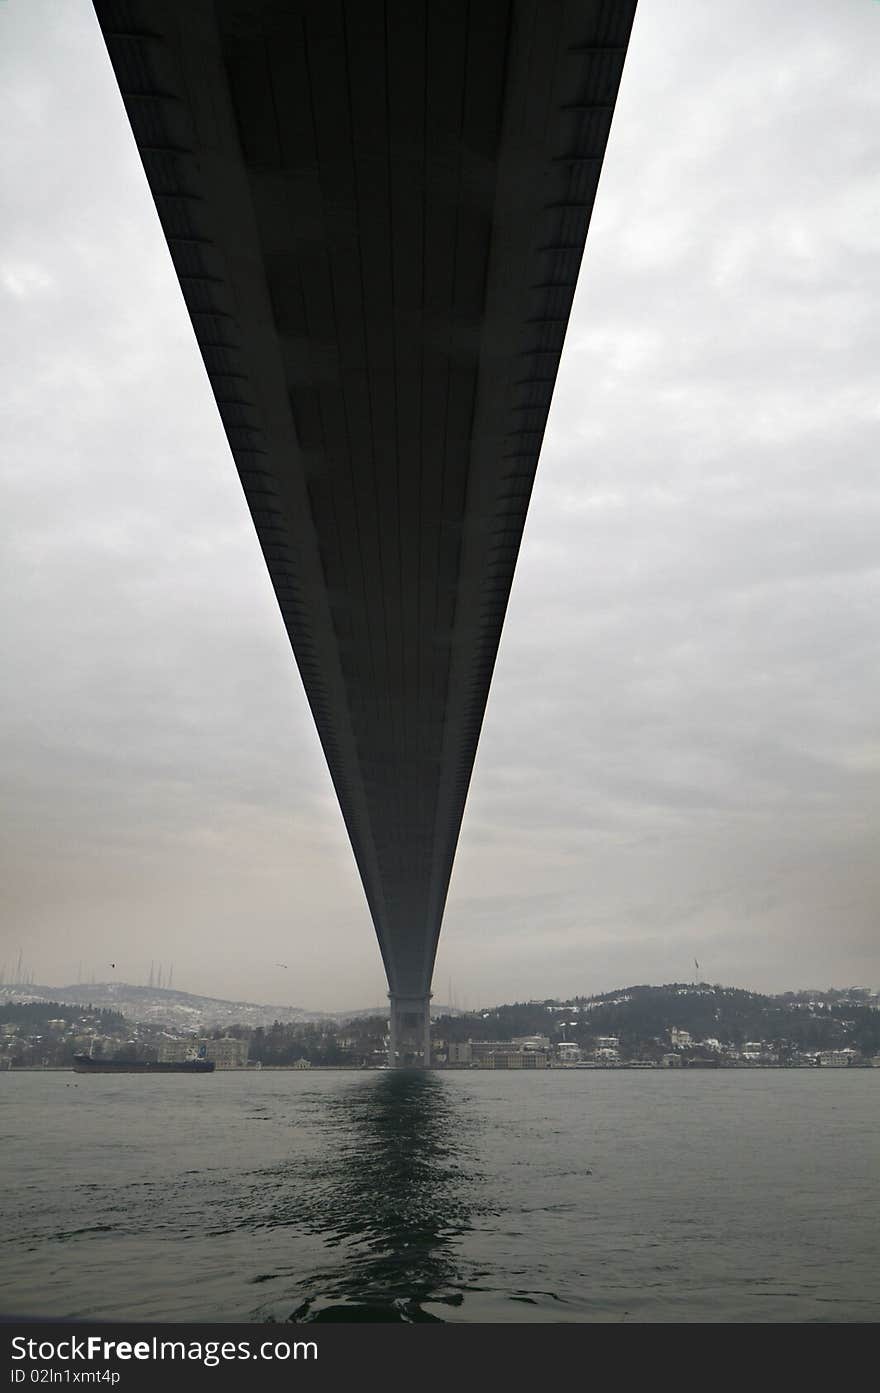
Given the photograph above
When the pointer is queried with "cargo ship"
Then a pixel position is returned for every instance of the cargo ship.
(88, 1064)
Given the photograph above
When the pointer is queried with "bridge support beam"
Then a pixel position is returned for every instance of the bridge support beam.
(409, 1044)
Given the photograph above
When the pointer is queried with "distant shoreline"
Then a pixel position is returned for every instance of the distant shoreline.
(468, 1069)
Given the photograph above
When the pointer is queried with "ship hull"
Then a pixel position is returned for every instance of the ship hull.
(85, 1064)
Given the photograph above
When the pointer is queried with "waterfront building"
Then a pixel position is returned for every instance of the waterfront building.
(481, 1049)
(515, 1059)
(175, 1051)
(607, 1049)
(836, 1059)
(498, 1054)
(226, 1053)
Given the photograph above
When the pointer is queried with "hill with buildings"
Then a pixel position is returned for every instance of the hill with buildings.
(682, 1023)
(181, 1011)
(703, 1019)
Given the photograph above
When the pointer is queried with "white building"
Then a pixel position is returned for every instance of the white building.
(176, 1051)
(515, 1059)
(835, 1059)
(227, 1053)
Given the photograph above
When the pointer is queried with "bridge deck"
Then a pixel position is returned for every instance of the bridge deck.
(377, 213)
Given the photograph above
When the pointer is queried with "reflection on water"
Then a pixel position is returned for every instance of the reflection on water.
(394, 1192)
(460, 1197)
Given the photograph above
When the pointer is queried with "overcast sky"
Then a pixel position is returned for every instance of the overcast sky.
(681, 753)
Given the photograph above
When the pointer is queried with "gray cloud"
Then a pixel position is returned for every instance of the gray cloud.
(681, 754)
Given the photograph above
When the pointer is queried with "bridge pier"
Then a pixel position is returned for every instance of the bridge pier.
(409, 1044)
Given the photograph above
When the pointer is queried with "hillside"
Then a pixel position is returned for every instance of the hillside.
(181, 1011)
(641, 1015)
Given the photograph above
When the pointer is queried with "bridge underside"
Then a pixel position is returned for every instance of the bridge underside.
(377, 212)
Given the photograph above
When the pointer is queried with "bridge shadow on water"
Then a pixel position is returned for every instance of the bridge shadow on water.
(394, 1193)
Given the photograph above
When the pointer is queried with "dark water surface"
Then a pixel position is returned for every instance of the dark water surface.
(565, 1196)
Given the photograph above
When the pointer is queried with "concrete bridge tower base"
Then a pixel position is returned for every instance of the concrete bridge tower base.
(409, 1045)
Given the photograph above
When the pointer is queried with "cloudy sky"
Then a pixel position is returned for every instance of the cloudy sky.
(681, 753)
